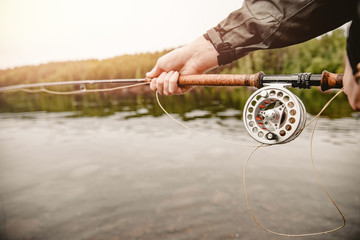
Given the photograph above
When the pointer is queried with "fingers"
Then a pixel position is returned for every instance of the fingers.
(173, 83)
(155, 72)
(160, 83)
(153, 84)
(166, 83)
(160, 67)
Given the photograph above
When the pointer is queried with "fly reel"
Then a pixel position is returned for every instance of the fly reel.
(274, 115)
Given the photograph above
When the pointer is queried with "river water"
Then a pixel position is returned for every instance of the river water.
(137, 175)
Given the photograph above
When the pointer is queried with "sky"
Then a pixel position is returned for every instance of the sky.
(39, 31)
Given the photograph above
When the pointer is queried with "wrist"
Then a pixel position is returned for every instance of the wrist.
(203, 54)
(227, 53)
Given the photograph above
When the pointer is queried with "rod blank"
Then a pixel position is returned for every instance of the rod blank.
(326, 80)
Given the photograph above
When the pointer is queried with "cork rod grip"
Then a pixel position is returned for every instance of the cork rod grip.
(221, 80)
(331, 80)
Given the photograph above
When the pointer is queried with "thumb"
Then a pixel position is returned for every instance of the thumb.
(155, 72)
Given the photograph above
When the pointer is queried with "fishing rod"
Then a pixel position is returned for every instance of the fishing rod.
(272, 114)
(326, 81)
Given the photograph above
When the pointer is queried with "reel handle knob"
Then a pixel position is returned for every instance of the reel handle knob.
(271, 136)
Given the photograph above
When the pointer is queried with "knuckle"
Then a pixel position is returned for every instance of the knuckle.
(160, 80)
(166, 76)
(174, 80)
(162, 75)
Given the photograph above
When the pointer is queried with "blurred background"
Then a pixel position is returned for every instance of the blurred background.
(112, 166)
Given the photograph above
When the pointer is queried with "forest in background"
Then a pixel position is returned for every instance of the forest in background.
(326, 52)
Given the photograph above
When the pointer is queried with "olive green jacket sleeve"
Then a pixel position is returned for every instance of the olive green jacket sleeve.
(265, 24)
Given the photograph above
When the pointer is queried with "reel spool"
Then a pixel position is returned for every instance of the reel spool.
(274, 115)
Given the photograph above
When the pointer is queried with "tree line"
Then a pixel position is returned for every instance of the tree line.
(326, 52)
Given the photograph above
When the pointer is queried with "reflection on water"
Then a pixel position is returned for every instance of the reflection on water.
(116, 168)
(142, 101)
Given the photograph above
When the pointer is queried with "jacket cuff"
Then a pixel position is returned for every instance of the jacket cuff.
(226, 52)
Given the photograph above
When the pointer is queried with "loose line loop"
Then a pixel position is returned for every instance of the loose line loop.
(315, 119)
(195, 131)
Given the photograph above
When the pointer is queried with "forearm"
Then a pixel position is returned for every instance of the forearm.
(276, 23)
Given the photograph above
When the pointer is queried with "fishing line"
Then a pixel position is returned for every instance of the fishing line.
(84, 90)
(315, 119)
(325, 106)
(319, 182)
(195, 131)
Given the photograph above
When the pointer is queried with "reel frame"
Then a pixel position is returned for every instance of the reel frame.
(274, 115)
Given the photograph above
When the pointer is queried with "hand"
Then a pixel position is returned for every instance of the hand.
(351, 87)
(194, 58)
